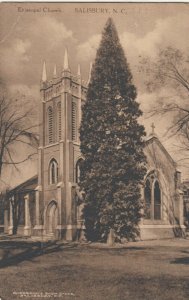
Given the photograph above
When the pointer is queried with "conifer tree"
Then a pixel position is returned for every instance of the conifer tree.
(112, 145)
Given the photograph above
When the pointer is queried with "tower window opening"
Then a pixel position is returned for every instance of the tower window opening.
(78, 166)
(59, 121)
(74, 121)
(50, 125)
(53, 172)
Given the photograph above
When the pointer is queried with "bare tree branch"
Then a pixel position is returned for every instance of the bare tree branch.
(16, 126)
(169, 70)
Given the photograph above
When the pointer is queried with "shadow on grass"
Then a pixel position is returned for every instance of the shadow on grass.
(119, 250)
(181, 260)
(15, 252)
(28, 252)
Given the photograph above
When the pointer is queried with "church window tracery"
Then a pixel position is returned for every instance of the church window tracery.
(147, 195)
(157, 201)
(152, 197)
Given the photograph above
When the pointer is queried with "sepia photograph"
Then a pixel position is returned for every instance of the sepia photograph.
(94, 150)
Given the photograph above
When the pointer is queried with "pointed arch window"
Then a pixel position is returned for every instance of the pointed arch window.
(157, 201)
(59, 121)
(152, 197)
(53, 171)
(50, 125)
(147, 195)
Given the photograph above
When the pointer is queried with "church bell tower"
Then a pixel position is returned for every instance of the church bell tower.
(59, 152)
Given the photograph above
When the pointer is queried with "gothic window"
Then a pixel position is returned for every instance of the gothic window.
(59, 121)
(78, 165)
(53, 172)
(147, 195)
(50, 125)
(157, 201)
(152, 197)
(74, 121)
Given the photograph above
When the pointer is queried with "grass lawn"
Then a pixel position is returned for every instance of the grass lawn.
(142, 270)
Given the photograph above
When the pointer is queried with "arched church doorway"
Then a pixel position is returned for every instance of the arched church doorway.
(52, 217)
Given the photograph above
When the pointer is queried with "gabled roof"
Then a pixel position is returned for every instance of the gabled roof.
(154, 139)
(26, 186)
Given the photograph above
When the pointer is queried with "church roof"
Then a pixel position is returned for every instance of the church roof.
(26, 186)
(152, 138)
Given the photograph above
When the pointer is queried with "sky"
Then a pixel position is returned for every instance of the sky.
(31, 33)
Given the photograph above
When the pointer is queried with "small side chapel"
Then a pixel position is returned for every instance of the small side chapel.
(162, 194)
(50, 204)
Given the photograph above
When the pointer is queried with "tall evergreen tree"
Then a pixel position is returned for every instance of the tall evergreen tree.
(112, 145)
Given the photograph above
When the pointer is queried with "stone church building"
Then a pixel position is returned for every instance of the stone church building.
(50, 203)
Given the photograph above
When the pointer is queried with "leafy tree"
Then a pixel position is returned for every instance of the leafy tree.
(112, 145)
